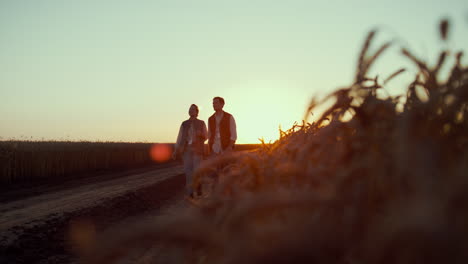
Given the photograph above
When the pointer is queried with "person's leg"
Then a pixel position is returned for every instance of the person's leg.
(188, 169)
(197, 160)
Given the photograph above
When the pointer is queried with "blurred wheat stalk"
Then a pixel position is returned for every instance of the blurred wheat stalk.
(373, 180)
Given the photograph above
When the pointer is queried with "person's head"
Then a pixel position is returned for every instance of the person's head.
(193, 110)
(218, 103)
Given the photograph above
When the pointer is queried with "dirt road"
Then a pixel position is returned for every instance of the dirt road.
(35, 229)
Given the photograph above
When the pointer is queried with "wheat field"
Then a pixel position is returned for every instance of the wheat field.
(375, 179)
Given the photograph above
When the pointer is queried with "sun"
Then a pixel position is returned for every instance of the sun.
(261, 112)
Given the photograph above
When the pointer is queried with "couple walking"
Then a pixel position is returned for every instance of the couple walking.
(221, 137)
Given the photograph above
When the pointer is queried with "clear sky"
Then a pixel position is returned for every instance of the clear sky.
(113, 70)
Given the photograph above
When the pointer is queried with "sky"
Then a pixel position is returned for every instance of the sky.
(110, 70)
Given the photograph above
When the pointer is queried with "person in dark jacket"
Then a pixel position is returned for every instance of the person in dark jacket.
(222, 133)
(190, 145)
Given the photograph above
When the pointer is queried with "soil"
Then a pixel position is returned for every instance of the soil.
(35, 221)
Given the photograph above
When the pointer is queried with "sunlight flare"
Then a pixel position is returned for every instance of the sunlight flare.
(161, 152)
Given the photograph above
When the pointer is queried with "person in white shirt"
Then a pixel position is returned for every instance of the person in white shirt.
(190, 144)
(222, 133)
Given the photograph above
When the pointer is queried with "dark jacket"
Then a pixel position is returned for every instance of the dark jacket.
(224, 127)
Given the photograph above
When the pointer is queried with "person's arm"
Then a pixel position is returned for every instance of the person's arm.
(208, 152)
(205, 132)
(204, 138)
(177, 144)
(233, 128)
(209, 130)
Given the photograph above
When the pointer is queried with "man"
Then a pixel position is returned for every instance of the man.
(222, 134)
(190, 143)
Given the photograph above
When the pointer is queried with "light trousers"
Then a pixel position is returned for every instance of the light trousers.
(191, 163)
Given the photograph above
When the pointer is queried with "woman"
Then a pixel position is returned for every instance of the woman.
(190, 144)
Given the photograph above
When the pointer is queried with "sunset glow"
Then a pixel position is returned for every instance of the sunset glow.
(128, 71)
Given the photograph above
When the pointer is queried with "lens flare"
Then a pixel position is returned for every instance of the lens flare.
(160, 152)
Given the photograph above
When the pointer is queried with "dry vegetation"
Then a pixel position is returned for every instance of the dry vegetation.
(28, 161)
(389, 184)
